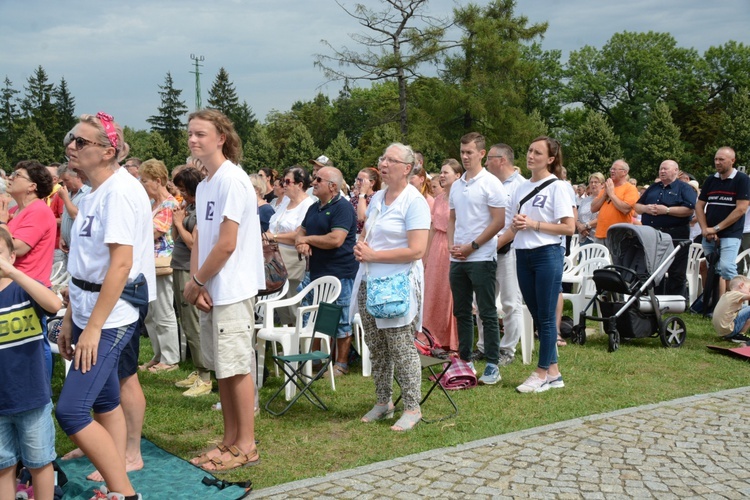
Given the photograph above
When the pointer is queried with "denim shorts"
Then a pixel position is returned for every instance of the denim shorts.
(27, 437)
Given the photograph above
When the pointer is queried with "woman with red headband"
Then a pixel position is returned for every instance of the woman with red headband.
(111, 248)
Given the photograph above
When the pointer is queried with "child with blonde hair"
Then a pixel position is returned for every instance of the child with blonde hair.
(731, 317)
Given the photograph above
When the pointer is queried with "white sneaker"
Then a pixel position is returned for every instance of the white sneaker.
(533, 384)
(471, 365)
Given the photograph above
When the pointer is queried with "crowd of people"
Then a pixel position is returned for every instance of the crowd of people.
(181, 258)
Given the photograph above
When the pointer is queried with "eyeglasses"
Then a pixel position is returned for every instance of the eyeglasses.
(319, 179)
(80, 142)
(288, 182)
(387, 161)
(16, 174)
(494, 156)
(360, 181)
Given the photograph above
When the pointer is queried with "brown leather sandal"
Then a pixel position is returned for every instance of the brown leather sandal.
(203, 458)
(237, 461)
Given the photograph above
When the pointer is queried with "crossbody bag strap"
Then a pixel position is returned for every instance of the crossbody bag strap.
(534, 192)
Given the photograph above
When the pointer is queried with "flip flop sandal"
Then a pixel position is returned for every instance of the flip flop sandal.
(203, 458)
(237, 461)
(162, 368)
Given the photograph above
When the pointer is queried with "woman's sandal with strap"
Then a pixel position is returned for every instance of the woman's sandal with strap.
(379, 412)
(406, 422)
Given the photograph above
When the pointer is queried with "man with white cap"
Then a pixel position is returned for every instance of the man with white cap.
(318, 163)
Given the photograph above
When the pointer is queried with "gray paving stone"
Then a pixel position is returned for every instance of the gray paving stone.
(632, 453)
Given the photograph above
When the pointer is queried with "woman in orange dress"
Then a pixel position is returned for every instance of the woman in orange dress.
(438, 300)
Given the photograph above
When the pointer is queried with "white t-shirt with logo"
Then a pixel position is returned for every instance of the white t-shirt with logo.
(117, 212)
(551, 204)
(471, 201)
(229, 195)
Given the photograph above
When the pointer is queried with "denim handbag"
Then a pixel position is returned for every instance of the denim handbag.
(388, 296)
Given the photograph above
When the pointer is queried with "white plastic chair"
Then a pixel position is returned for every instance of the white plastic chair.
(527, 336)
(587, 288)
(693, 273)
(324, 289)
(588, 252)
(260, 312)
(358, 332)
(575, 243)
(743, 261)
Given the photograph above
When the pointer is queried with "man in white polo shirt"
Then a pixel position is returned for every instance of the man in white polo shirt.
(500, 164)
(477, 213)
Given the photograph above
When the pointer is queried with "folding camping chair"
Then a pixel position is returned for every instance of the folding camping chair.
(293, 365)
(428, 365)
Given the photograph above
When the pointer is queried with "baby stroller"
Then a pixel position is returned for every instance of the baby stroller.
(625, 297)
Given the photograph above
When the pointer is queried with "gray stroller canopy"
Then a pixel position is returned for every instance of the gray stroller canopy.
(640, 248)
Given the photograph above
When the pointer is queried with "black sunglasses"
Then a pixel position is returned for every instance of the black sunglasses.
(80, 142)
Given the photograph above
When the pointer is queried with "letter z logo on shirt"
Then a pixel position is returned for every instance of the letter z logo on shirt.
(210, 210)
(539, 201)
(86, 227)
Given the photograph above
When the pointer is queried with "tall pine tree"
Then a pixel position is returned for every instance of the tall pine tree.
(65, 106)
(169, 121)
(594, 146)
(9, 115)
(222, 95)
(37, 103)
(659, 141)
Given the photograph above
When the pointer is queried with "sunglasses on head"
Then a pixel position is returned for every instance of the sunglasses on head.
(80, 142)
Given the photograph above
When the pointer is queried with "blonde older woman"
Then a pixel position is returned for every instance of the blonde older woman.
(161, 321)
(111, 247)
(265, 210)
(586, 223)
(393, 241)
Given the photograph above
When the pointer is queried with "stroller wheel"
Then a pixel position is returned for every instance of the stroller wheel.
(673, 332)
(614, 341)
(578, 336)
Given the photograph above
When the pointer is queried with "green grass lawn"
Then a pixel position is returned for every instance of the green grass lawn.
(308, 442)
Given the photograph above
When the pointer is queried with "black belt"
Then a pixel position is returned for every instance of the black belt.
(86, 285)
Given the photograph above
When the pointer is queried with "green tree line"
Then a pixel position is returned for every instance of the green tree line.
(640, 96)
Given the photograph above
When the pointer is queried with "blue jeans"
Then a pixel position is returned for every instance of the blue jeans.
(28, 437)
(468, 279)
(728, 250)
(345, 327)
(742, 316)
(540, 276)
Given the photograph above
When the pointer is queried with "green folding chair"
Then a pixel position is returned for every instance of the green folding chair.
(326, 323)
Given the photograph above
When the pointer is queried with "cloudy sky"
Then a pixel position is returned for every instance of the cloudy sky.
(115, 54)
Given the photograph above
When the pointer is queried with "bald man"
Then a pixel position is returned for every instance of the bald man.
(615, 202)
(327, 236)
(667, 206)
(725, 197)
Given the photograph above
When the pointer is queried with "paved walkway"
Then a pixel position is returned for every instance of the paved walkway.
(696, 447)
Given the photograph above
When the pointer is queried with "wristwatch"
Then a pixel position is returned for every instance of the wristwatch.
(717, 228)
(475, 245)
(667, 211)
